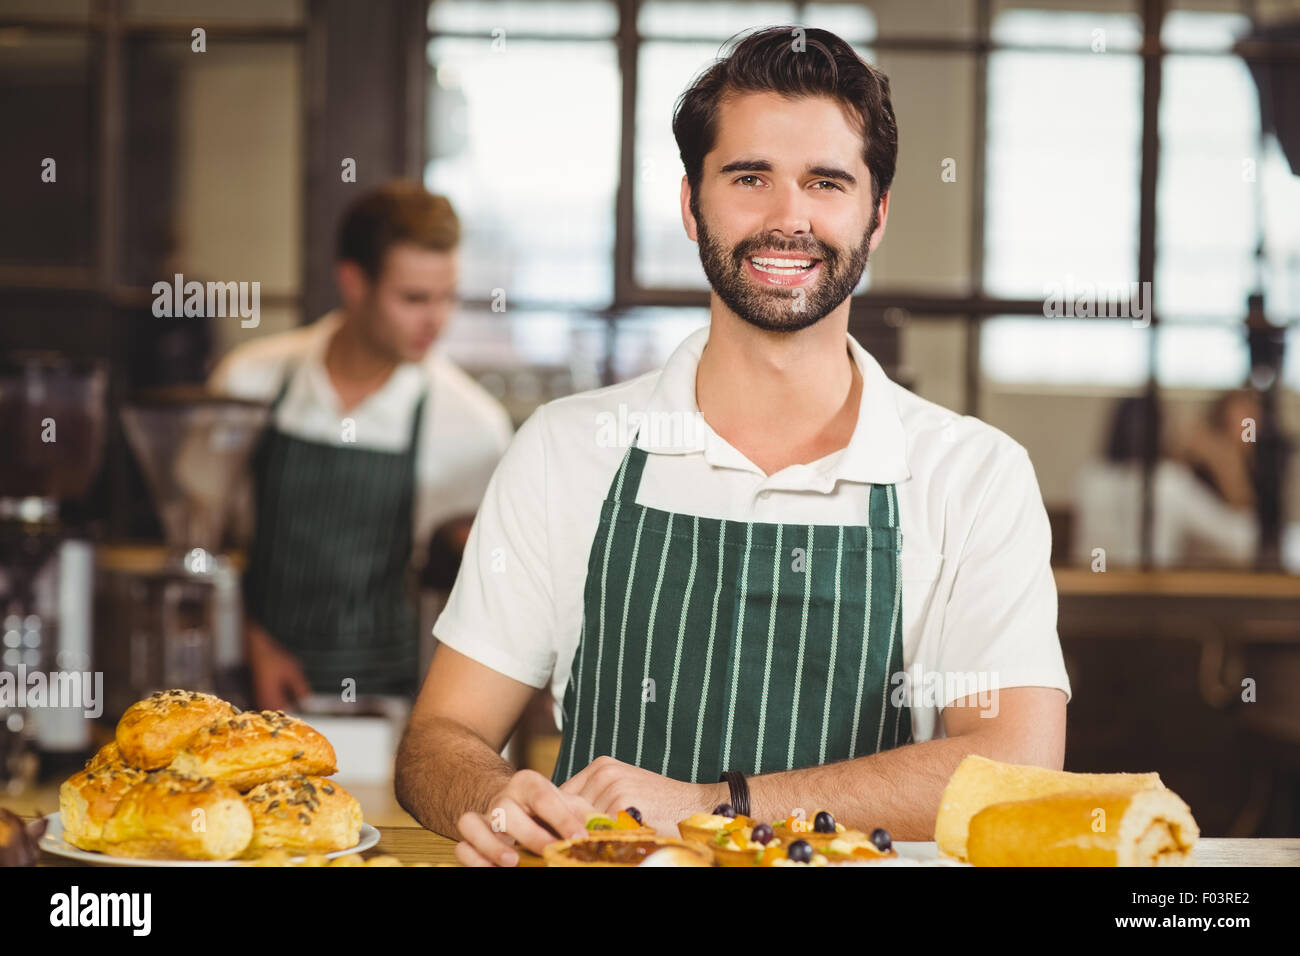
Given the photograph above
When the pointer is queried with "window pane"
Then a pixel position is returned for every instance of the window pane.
(864, 22)
(646, 338)
(1206, 215)
(1201, 357)
(1064, 351)
(1063, 164)
(572, 18)
(685, 18)
(1202, 31)
(526, 147)
(927, 239)
(855, 23)
(47, 98)
(665, 257)
(1112, 26)
(526, 357)
(213, 165)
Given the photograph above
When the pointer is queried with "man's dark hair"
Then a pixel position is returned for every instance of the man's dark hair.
(399, 211)
(795, 62)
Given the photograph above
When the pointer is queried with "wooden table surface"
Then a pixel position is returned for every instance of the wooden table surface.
(1244, 585)
(418, 845)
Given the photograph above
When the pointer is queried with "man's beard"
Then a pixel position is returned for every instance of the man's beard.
(774, 308)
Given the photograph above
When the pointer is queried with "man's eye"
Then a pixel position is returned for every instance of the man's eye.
(827, 182)
(743, 178)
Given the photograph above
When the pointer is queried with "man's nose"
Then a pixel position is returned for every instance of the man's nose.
(789, 212)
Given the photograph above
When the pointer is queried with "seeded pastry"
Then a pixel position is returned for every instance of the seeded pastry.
(153, 729)
(302, 814)
(88, 798)
(169, 816)
(254, 747)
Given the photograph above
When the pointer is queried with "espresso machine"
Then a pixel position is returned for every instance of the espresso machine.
(173, 614)
(52, 434)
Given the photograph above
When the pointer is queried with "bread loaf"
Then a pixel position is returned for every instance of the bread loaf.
(302, 814)
(979, 782)
(251, 748)
(1099, 828)
(88, 798)
(171, 816)
(152, 730)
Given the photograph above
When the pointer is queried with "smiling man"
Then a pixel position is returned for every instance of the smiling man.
(812, 583)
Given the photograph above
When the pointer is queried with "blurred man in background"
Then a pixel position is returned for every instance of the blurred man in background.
(374, 442)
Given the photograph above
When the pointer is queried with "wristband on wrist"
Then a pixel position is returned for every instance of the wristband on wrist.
(735, 780)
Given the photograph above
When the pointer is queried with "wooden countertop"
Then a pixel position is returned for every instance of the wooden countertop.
(418, 845)
(1242, 585)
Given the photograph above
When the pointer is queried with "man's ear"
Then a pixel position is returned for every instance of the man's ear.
(688, 218)
(352, 281)
(879, 234)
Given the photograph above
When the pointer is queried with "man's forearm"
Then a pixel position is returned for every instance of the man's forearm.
(897, 789)
(444, 770)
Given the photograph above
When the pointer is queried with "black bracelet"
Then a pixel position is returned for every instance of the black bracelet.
(735, 780)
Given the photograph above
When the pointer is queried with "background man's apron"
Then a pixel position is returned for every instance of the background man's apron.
(328, 572)
(710, 645)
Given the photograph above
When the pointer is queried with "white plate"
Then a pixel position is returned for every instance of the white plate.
(53, 842)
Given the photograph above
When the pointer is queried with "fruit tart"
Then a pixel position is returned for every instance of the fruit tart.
(819, 832)
(705, 827)
(622, 848)
(625, 821)
(743, 845)
(854, 846)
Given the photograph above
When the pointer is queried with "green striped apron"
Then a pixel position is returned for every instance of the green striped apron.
(710, 645)
(328, 572)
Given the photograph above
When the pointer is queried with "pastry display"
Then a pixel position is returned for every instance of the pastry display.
(615, 848)
(88, 798)
(171, 816)
(169, 786)
(1122, 827)
(302, 814)
(247, 749)
(152, 730)
(979, 782)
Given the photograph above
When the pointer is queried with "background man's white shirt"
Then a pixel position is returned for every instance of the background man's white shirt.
(463, 433)
(978, 593)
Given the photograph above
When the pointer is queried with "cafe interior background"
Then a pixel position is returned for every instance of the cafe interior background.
(1042, 142)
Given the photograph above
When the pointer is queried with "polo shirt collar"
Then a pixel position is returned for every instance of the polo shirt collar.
(876, 453)
(395, 397)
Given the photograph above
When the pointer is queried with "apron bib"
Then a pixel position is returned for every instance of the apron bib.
(328, 574)
(710, 645)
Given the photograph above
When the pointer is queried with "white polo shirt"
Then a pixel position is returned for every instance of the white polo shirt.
(978, 593)
(463, 433)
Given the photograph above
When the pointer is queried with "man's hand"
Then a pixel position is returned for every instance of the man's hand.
(611, 785)
(521, 812)
(278, 680)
